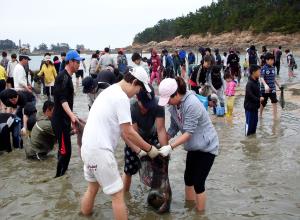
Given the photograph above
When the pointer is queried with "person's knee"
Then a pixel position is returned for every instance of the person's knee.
(93, 188)
(118, 199)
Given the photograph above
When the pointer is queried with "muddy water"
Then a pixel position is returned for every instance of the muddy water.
(252, 178)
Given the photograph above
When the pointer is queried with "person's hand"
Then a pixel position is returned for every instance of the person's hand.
(267, 88)
(153, 152)
(165, 150)
(23, 131)
(142, 153)
(74, 120)
(261, 99)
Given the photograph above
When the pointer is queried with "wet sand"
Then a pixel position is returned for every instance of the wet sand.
(253, 177)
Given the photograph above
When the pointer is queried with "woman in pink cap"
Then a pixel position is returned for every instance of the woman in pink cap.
(198, 136)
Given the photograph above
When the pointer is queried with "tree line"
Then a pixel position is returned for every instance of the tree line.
(222, 16)
(8, 45)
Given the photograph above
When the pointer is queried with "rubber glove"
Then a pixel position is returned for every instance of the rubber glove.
(165, 150)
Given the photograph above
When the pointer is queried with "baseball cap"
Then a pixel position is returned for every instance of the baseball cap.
(88, 84)
(140, 74)
(166, 88)
(147, 98)
(21, 57)
(73, 55)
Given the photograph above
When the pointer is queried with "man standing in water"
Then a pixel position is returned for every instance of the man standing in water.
(63, 115)
(109, 119)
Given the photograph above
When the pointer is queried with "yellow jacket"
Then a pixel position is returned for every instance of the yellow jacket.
(49, 73)
(2, 73)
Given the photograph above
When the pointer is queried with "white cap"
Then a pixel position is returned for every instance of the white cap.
(166, 88)
(140, 74)
(47, 58)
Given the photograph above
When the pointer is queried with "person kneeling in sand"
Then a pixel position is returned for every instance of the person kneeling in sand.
(41, 140)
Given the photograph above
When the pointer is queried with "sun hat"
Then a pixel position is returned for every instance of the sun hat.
(166, 88)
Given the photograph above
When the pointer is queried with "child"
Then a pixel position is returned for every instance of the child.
(245, 66)
(229, 92)
(252, 100)
(268, 87)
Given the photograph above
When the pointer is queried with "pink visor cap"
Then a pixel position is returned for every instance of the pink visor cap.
(167, 87)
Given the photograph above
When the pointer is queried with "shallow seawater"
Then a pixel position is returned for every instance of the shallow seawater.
(254, 177)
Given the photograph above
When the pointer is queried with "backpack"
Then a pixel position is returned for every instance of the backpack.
(216, 77)
(252, 57)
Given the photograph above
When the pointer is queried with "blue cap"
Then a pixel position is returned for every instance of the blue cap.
(73, 55)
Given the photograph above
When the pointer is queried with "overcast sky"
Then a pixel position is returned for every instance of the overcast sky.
(94, 23)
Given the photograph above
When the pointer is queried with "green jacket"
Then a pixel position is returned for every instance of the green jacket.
(42, 138)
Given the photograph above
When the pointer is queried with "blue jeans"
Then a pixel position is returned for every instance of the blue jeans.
(251, 122)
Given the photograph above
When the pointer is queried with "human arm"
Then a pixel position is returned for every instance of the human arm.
(209, 81)
(25, 120)
(54, 72)
(42, 70)
(191, 116)
(267, 88)
(133, 147)
(173, 129)
(69, 112)
(161, 131)
(129, 134)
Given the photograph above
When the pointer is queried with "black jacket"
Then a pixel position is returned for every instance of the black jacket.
(252, 96)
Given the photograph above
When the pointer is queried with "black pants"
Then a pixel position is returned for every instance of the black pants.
(198, 165)
(62, 133)
(49, 91)
(251, 122)
(277, 65)
(5, 144)
(2, 85)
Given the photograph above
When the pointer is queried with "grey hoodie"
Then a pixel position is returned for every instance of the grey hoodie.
(192, 117)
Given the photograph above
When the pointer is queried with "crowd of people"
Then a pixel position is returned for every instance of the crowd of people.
(189, 88)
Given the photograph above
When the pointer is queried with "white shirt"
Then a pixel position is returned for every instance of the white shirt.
(10, 68)
(102, 130)
(224, 60)
(82, 66)
(19, 75)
